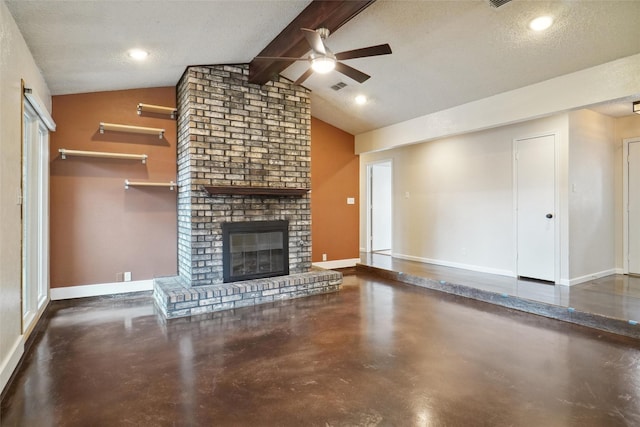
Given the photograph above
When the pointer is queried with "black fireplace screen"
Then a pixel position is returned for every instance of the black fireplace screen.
(255, 249)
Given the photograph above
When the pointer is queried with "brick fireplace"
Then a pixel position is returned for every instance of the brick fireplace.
(243, 157)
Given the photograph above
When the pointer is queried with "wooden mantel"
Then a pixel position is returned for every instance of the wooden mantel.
(254, 191)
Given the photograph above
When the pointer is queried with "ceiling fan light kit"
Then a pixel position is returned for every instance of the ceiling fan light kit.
(322, 60)
(323, 64)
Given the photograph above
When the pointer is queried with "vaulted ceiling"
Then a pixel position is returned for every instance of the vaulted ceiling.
(445, 53)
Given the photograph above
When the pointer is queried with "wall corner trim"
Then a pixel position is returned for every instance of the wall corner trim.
(478, 268)
(84, 291)
(588, 277)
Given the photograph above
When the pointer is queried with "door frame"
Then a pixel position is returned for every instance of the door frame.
(625, 201)
(556, 192)
(34, 201)
(369, 221)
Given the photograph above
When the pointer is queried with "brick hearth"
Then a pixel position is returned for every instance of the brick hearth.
(176, 298)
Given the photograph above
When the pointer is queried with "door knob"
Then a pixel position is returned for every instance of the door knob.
(549, 216)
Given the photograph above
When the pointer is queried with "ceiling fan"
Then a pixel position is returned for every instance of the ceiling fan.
(322, 60)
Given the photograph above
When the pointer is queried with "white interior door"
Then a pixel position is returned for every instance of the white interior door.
(633, 200)
(535, 204)
(380, 201)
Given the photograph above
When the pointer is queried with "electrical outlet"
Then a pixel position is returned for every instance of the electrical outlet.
(324, 257)
(126, 276)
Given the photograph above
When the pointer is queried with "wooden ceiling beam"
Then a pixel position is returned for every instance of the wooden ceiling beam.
(291, 42)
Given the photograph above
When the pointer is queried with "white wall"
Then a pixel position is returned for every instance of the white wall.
(460, 206)
(459, 209)
(16, 63)
(591, 195)
(616, 80)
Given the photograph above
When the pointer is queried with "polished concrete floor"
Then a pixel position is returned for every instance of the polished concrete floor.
(375, 353)
(616, 296)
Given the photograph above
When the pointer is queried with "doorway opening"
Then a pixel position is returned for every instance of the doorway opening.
(34, 198)
(379, 207)
(631, 199)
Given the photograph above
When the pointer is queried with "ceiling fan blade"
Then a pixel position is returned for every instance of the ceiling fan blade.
(303, 77)
(381, 49)
(351, 72)
(314, 40)
(280, 58)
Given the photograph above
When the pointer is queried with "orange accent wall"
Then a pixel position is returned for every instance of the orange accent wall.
(334, 178)
(98, 229)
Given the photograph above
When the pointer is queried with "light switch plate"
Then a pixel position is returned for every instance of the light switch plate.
(351, 200)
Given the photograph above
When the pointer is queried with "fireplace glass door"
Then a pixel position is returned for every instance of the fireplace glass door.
(254, 250)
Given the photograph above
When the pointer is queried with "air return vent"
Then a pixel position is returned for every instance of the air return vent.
(338, 86)
(498, 3)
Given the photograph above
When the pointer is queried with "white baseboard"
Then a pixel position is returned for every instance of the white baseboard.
(339, 263)
(586, 278)
(471, 267)
(10, 363)
(100, 289)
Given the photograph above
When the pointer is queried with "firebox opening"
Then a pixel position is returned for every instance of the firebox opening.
(254, 249)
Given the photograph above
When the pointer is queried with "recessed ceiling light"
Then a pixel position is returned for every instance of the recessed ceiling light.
(138, 54)
(541, 23)
(361, 99)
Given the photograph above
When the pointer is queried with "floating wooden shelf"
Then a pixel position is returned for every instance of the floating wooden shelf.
(255, 191)
(132, 129)
(64, 153)
(157, 109)
(169, 184)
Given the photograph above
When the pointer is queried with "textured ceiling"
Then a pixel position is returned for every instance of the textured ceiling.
(445, 53)
(452, 52)
(81, 46)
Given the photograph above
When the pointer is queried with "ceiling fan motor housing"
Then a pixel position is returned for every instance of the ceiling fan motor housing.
(323, 33)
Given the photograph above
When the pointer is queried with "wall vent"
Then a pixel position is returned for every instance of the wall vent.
(338, 86)
(498, 3)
